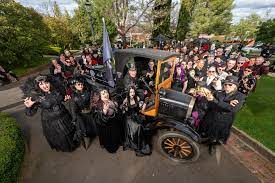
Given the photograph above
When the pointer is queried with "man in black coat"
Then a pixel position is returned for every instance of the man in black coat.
(223, 105)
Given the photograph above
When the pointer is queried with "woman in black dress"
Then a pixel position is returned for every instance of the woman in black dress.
(81, 111)
(134, 130)
(56, 120)
(108, 122)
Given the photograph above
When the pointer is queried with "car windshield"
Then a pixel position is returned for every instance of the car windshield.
(165, 71)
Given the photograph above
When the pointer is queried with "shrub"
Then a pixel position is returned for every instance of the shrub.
(11, 149)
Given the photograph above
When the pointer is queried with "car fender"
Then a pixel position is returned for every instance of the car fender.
(163, 123)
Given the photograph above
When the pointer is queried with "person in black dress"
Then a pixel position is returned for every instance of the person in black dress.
(134, 129)
(56, 120)
(108, 122)
(81, 111)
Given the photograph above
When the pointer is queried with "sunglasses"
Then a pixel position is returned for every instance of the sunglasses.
(211, 71)
(228, 84)
(241, 63)
(248, 70)
(79, 84)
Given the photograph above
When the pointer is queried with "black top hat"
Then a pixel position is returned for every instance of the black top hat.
(231, 79)
(131, 66)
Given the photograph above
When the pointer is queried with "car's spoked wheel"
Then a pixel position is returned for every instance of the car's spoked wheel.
(177, 148)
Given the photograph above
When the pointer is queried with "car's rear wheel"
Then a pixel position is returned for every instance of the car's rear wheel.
(177, 147)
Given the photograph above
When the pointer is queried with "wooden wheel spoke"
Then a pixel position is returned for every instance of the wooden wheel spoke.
(174, 140)
(185, 150)
(184, 153)
(185, 147)
(180, 154)
(171, 150)
(168, 147)
(169, 144)
(178, 143)
(175, 154)
(182, 143)
(170, 141)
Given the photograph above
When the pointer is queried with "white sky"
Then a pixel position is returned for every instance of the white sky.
(242, 8)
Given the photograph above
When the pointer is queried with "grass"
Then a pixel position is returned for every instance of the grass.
(257, 117)
(11, 149)
(22, 71)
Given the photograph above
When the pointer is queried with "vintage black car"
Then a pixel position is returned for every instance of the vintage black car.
(169, 110)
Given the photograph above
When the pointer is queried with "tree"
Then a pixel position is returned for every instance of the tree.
(211, 16)
(81, 25)
(23, 34)
(60, 29)
(123, 13)
(56, 10)
(161, 16)
(247, 27)
(185, 15)
(266, 31)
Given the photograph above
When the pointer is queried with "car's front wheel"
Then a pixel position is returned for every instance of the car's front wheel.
(177, 147)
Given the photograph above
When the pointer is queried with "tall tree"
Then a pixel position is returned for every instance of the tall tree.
(247, 27)
(211, 16)
(23, 34)
(125, 14)
(161, 16)
(81, 24)
(185, 15)
(266, 32)
(56, 10)
(60, 29)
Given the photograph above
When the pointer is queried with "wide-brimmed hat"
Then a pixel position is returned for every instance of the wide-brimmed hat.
(231, 79)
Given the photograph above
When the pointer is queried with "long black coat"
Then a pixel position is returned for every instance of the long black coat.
(220, 115)
(56, 121)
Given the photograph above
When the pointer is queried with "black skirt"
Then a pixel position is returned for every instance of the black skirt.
(86, 125)
(59, 132)
(109, 131)
(134, 135)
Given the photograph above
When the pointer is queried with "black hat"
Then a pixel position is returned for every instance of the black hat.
(221, 64)
(77, 79)
(131, 66)
(231, 79)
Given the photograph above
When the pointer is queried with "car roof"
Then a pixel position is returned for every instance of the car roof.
(147, 53)
(123, 56)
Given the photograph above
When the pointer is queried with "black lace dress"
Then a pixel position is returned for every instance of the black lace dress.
(109, 127)
(134, 130)
(56, 121)
(82, 114)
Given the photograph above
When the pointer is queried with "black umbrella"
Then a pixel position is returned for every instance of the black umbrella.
(161, 38)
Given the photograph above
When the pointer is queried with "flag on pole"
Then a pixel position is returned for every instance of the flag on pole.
(107, 55)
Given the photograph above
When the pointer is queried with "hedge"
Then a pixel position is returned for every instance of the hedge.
(12, 149)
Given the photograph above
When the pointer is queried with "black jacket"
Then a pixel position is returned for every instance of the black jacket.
(220, 115)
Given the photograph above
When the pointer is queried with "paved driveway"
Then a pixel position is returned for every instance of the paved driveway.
(42, 165)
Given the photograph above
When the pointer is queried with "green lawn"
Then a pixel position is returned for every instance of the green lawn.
(21, 71)
(257, 118)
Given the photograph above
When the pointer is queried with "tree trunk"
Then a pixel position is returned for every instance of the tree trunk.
(124, 41)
